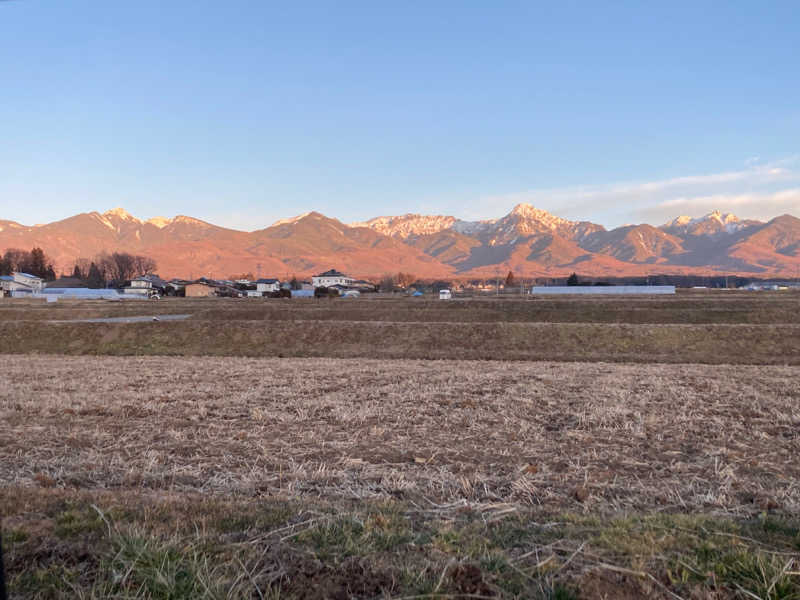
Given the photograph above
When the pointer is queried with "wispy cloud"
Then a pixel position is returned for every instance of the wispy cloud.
(761, 206)
(759, 190)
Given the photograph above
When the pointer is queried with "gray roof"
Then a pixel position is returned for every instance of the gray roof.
(27, 275)
(331, 273)
(267, 281)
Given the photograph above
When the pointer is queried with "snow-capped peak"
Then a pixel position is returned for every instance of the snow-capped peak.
(405, 226)
(159, 222)
(714, 222)
(290, 220)
(724, 218)
(188, 221)
(120, 213)
(679, 221)
(531, 213)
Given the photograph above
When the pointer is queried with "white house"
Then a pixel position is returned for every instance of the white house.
(139, 287)
(332, 277)
(146, 285)
(24, 283)
(267, 285)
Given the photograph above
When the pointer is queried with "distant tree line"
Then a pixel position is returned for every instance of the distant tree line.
(106, 268)
(114, 268)
(390, 282)
(34, 262)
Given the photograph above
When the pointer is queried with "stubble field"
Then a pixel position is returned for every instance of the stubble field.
(133, 465)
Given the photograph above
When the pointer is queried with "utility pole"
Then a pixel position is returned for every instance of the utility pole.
(2, 573)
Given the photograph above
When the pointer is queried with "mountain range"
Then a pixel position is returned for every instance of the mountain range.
(528, 241)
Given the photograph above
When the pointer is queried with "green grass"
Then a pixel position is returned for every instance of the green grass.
(197, 548)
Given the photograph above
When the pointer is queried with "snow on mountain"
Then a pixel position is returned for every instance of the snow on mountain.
(524, 220)
(120, 213)
(408, 225)
(527, 239)
(713, 223)
(290, 220)
(104, 220)
(159, 222)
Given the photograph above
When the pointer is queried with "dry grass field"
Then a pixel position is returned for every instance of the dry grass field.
(687, 307)
(320, 453)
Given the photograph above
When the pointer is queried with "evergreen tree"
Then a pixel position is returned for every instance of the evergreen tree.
(510, 279)
(573, 279)
(38, 263)
(95, 278)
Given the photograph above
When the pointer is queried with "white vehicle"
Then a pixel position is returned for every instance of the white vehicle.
(445, 295)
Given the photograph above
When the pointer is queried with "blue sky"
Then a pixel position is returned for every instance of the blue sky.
(244, 112)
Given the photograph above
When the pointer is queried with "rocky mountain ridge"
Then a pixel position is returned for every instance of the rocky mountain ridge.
(527, 240)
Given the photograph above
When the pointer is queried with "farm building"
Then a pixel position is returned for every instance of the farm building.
(19, 283)
(84, 293)
(592, 290)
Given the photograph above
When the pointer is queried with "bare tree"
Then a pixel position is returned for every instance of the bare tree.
(121, 266)
(405, 279)
(34, 262)
(387, 283)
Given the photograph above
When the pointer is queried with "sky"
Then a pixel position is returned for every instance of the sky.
(245, 112)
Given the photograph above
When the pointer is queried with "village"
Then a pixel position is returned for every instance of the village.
(151, 286)
(332, 284)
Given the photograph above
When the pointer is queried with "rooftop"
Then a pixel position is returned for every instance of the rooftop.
(331, 273)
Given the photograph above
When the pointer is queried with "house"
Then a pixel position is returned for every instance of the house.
(19, 283)
(267, 285)
(445, 295)
(330, 278)
(175, 287)
(146, 285)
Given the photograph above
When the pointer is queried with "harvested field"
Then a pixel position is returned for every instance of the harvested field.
(602, 448)
(633, 436)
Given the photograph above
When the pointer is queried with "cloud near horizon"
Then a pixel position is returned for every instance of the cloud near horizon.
(758, 191)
